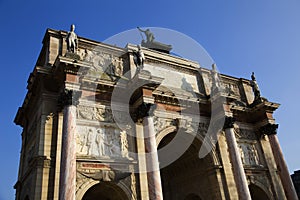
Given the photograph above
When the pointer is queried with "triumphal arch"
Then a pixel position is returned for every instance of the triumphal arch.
(105, 122)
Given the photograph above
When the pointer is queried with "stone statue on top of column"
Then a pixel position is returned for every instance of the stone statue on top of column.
(215, 79)
(139, 59)
(71, 39)
(255, 88)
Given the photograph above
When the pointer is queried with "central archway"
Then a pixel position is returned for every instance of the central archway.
(189, 174)
(105, 191)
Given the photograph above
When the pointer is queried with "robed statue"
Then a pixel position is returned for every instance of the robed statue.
(71, 40)
(255, 87)
(215, 79)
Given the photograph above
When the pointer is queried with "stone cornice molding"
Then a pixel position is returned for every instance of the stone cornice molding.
(269, 129)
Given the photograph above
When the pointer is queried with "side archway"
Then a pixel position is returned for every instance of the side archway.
(103, 190)
(258, 193)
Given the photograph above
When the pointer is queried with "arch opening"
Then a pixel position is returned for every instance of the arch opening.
(257, 193)
(187, 177)
(105, 191)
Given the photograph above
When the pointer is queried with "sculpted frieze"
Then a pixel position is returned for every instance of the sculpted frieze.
(245, 134)
(101, 174)
(105, 142)
(95, 113)
(231, 88)
(249, 154)
(162, 123)
(85, 112)
(103, 64)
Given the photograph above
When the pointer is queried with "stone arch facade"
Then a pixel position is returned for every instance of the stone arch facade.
(84, 102)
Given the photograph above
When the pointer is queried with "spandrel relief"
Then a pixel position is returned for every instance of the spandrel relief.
(104, 142)
(162, 123)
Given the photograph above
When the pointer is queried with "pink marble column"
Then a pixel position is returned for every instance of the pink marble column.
(236, 161)
(67, 184)
(154, 179)
(283, 169)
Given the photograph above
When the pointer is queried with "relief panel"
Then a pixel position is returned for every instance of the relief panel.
(105, 142)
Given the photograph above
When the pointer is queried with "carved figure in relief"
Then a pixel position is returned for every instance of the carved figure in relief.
(230, 89)
(252, 155)
(103, 114)
(117, 67)
(124, 144)
(100, 141)
(71, 40)
(242, 154)
(100, 114)
(81, 140)
(89, 55)
(89, 142)
(114, 144)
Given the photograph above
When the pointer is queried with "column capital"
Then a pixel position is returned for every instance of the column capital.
(145, 110)
(269, 129)
(69, 97)
(229, 122)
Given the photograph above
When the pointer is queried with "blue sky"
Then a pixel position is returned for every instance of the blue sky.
(241, 36)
